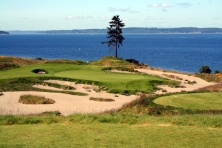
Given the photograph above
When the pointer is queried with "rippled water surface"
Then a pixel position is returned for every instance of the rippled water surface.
(182, 52)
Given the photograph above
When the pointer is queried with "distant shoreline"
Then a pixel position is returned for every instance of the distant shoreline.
(130, 30)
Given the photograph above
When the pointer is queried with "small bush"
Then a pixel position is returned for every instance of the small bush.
(52, 113)
(32, 99)
(216, 71)
(1, 93)
(7, 66)
(102, 99)
(205, 69)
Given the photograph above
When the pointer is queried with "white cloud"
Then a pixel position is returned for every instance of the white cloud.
(70, 17)
(122, 9)
(219, 22)
(84, 16)
(184, 4)
(163, 5)
(102, 17)
(154, 5)
(117, 9)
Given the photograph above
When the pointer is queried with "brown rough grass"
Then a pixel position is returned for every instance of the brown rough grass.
(33, 99)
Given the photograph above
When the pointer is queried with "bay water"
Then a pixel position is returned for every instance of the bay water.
(181, 52)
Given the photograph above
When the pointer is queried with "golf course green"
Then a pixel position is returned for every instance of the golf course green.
(147, 121)
(201, 101)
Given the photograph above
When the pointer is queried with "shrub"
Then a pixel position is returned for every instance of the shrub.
(216, 71)
(6, 66)
(102, 99)
(205, 69)
(32, 99)
(52, 113)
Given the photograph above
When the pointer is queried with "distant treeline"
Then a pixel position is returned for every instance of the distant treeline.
(141, 30)
(3, 32)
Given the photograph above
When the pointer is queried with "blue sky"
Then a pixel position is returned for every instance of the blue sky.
(85, 14)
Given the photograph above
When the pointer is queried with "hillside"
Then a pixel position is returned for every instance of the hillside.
(3, 32)
(141, 30)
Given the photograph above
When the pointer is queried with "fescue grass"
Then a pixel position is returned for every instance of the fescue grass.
(33, 99)
(201, 101)
(101, 99)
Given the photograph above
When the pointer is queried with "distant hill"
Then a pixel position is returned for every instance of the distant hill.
(140, 30)
(3, 32)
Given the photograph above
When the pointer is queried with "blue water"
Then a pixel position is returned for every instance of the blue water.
(181, 52)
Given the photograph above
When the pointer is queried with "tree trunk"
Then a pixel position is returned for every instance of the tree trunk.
(116, 49)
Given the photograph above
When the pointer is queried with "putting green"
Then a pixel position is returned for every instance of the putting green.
(117, 81)
(120, 81)
(202, 101)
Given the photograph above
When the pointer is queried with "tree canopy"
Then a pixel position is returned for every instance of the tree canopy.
(114, 34)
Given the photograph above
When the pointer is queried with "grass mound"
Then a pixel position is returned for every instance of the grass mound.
(201, 101)
(32, 99)
(63, 61)
(112, 61)
(102, 99)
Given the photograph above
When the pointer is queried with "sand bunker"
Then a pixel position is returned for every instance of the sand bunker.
(64, 103)
(69, 104)
(184, 79)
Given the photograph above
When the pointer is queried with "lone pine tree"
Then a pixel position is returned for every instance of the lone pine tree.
(114, 33)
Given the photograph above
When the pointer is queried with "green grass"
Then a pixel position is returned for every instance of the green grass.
(201, 101)
(119, 81)
(112, 130)
(106, 135)
(140, 123)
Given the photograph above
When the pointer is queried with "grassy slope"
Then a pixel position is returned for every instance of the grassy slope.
(118, 130)
(86, 72)
(108, 135)
(202, 101)
(105, 130)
